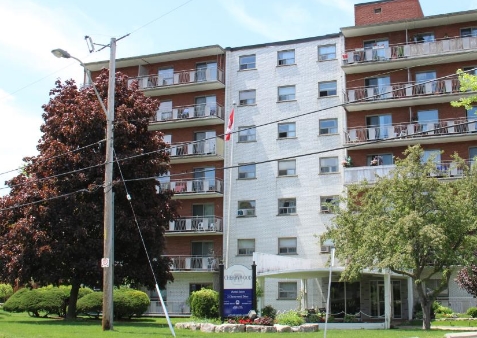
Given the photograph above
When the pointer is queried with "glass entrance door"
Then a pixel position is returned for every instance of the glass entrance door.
(377, 299)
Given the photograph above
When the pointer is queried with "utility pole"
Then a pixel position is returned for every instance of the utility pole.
(108, 249)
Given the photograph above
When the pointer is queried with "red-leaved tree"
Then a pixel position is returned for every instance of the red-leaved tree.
(51, 223)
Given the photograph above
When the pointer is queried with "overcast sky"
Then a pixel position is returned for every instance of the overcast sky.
(31, 29)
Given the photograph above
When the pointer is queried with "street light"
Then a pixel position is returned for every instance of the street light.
(331, 244)
(107, 262)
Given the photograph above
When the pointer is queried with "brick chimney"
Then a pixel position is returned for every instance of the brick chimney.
(386, 10)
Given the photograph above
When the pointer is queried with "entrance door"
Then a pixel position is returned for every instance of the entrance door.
(377, 299)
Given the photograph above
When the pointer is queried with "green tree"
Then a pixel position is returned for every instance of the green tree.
(60, 240)
(6, 291)
(410, 223)
(468, 83)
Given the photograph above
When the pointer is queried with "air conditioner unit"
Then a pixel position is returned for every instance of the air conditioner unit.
(325, 249)
(241, 212)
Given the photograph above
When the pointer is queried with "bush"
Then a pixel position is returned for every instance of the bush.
(263, 321)
(313, 318)
(129, 303)
(16, 302)
(6, 291)
(472, 311)
(291, 318)
(204, 303)
(269, 311)
(126, 303)
(348, 318)
(90, 304)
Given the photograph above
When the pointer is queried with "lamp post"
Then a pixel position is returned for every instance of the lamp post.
(332, 262)
(107, 262)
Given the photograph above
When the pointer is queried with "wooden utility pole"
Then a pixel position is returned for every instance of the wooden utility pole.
(108, 249)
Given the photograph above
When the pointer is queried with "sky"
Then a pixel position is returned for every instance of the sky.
(31, 29)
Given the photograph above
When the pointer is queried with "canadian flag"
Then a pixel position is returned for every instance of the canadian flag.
(229, 126)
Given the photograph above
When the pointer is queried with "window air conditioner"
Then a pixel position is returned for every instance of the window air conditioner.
(240, 212)
(325, 249)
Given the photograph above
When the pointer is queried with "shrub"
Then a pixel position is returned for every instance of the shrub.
(204, 303)
(472, 311)
(349, 318)
(129, 303)
(263, 321)
(126, 303)
(91, 304)
(291, 318)
(269, 311)
(16, 302)
(6, 291)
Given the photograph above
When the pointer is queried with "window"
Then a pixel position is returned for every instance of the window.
(378, 47)
(246, 208)
(472, 153)
(164, 112)
(205, 106)
(428, 120)
(328, 204)
(431, 154)
(246, 247)
(378, 127)
(287, 206)
(286, 57)
(472, 31)
(471, 70)
(327, 88)
(328, 126)
(206, 71)
(165, 77)
(247, 62)
(286, 93)
(377, 10)
(246, 171)
(247, 134)
(424, 83)
(328, 165)
(246, 97)
(379, 159)
(287, 290)
(286, 130)
(199, 286)
(326, 52)
(286, 167)
(381, 86)
(434, 284)
(287, 246)
(424, 37)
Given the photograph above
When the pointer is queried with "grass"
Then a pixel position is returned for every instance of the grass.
(22, 326)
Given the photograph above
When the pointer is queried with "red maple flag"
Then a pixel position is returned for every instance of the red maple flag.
(229, 126)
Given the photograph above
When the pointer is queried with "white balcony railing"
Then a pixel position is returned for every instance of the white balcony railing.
(194, 263)
(205, 147)
(196, 111)
(194, 186)
(402, 90)
(191, 76)
(201, 224)
(412, 129)
(382, 53)
(372, 173)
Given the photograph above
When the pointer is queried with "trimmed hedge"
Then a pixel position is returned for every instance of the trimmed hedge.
(204, 303)
(126, 303)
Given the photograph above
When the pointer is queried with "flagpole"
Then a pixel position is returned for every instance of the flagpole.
(227, 241)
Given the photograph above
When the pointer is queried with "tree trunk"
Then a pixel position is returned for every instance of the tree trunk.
(75, 285)
(426, 305)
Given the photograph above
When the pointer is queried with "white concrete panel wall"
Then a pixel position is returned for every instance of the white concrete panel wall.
(308, 184)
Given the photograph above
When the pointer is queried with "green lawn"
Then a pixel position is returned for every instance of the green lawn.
(23, 326)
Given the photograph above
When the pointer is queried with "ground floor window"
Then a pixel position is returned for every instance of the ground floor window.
(344, 298)
(198, 286)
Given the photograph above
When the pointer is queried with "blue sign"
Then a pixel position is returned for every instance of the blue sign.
(237, 303)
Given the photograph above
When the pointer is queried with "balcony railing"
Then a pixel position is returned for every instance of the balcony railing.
(194, 263)
(194, 186)
(202, 224)
(196, 111)
(399, 51)
(180, 78)
(205, 147)
(412, 129)
(402, 90)
(371, 173)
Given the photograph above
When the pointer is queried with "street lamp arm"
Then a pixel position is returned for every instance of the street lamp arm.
(61, 53)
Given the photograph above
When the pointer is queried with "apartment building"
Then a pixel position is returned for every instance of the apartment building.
(190, 85)
(400, 70)
(285, 171)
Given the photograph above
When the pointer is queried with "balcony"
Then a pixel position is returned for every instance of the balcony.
(188, 116)
(195, 188)
(408, 55)
(403, 133)
(404, 93)
(444, 169)
(194, 263)
(196, 225)
(184, 81)
(197, 151)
